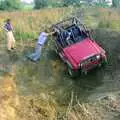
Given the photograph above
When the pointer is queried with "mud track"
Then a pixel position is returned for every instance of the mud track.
(48, 78)
(50, 75)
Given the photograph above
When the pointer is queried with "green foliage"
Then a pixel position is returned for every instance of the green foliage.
(110, 24)
(10, 5)
(27, 6)
(102, 3)
(55, 3)
(116, 3)
(40, 4)
(66, 3)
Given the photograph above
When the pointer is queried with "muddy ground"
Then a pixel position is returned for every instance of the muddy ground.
(26, 88)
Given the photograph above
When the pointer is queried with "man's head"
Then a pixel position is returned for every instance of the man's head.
(68, 35)
(8, 20)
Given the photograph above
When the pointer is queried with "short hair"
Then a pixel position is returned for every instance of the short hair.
(46, 30)
(8, 20)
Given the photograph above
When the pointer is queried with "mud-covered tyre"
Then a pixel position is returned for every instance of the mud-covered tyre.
(72, 73)
(99, 65)
(84, 72)
(104, 62)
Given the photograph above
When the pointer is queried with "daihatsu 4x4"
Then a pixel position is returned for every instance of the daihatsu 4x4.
(76, 47)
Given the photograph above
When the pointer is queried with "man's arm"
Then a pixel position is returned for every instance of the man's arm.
(50, 33)
(3, 27)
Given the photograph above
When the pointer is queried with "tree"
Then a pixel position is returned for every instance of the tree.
(89, 2)
(102, 3)
(66, 3)
(40, 4)
(10, 5)
(116, 3)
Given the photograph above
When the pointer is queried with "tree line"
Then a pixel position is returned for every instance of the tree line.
(38, 4)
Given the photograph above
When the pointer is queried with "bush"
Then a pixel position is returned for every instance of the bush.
(40, 4)
(10, 5)
(116, 3)
(66, 3)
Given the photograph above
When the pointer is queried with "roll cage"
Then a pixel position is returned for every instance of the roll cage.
(73, 26)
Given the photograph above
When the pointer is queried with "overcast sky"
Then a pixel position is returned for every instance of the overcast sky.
(28, 1)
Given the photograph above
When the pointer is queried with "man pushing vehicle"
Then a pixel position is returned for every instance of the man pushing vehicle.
(39, 44)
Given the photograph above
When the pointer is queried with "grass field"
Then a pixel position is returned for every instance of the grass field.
(28, 24)
(28, 6)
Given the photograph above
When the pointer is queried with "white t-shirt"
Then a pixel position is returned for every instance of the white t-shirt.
(42, 38)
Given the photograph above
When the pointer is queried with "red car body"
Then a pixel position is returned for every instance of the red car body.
(81, 51)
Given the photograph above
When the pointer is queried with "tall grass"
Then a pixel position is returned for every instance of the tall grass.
(109, 18)
(102, 18)
(27, 25)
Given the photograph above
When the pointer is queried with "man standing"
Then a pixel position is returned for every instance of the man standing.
(40, 42)
(9, 32)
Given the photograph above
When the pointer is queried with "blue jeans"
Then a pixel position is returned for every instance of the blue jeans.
(36, 55)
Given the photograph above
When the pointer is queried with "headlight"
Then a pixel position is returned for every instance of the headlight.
(98, 56)
(81, 64)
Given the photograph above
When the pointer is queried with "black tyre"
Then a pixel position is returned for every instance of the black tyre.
(99, 65)
(72, 73)
(84, 72)
(104, 62)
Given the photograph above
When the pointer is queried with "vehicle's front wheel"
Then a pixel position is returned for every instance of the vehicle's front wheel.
(103, 63)
(72, 73)
(84, 72)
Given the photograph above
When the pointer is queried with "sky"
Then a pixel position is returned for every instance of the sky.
(28, 1)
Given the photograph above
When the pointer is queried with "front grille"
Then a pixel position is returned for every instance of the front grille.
(90, 62)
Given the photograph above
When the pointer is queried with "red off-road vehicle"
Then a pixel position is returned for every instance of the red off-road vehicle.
(76, 48)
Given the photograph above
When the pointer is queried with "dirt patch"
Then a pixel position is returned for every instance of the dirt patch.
(8, 98)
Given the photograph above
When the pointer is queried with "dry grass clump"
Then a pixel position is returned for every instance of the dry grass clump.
(36, 108)
(9, 99)
(105, 108)
(78, 111)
